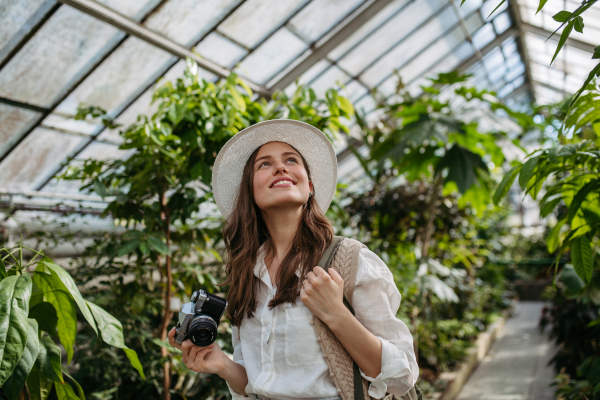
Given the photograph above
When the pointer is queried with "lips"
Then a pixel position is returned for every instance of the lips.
(283, 182)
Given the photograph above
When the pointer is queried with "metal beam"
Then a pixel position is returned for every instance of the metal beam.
(133, 28)
(509, 33)
(578, 44)
(21, 104)
(353, 23)
(515, 13)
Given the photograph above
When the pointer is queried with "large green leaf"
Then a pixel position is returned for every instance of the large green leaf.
(2, 270)
(50, 360)
(37, 383)
(527, 171)
(462, 167)
(158, 245)
(112, 333)
(573, 283)
(15, 382)
(505, 184)
(15, 292)
(65, 392)
(62, 301)
(70, 285)
(582, 257)
(580, 197)
(45, 315)
(553, 238)
(79, 389)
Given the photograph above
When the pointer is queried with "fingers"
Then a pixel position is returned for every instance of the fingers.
(336, 277)
(197, 354)
(171, 337)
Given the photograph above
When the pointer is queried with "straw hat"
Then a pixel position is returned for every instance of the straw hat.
(310, 142)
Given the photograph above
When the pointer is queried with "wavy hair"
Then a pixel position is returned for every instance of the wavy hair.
(245, 232)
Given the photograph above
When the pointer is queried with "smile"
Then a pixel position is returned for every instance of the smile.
(282, 182)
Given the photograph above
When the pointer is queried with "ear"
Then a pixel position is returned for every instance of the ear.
(310, 186)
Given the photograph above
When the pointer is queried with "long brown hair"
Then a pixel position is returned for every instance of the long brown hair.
(244, 233)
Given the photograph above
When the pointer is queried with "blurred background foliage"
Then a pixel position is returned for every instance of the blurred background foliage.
(429, 204)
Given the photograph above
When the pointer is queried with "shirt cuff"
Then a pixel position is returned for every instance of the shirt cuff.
(235, 395)
(377, 388)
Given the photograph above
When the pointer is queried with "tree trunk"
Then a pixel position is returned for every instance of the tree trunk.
(432, 210)
(167, 314)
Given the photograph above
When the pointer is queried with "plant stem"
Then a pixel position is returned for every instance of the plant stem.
(165, 214)
(433, 203)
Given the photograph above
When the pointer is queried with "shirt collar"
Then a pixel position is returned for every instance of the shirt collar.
(260, 268)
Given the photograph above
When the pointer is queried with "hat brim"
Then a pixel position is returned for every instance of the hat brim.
(312, 144)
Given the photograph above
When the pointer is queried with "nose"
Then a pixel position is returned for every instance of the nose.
(280, 167)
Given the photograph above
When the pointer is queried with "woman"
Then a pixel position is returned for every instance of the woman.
(273, 182)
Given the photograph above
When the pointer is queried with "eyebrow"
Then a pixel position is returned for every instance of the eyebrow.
(283, 154)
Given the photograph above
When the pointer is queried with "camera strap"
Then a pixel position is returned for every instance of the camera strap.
(324, 263)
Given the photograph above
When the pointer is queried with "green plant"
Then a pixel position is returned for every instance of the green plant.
(156, 194)
(573, 317)
(38, 302)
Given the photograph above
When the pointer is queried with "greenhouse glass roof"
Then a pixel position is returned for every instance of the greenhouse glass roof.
(109, 53)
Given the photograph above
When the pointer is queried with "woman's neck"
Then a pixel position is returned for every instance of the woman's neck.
(282, 226)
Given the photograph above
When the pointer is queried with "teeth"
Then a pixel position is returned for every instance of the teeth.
(282, 182)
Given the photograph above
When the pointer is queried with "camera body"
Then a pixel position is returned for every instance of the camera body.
(199, 319)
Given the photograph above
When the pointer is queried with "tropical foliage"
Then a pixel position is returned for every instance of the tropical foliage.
(38, 304)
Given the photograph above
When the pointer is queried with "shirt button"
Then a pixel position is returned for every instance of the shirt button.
(267, 367)
(312, 322)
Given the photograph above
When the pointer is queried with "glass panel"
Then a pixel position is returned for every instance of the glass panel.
(409, 47)
(318, 17)
(365, 104)
(101, 151)
(502, 22)
(271, 56)
(35, 158)
(374, 23)
(332, 78)
(288, 68)
(493, 59)
(63, 50)
(220, 50)
(187, 21)
(353, 91)
(135, 10)
(515, 71)
(70, 124)
(14, 121)
(519, 81)
(17, 18)
(254, 20)
(509, 47)
(128, 70)
(397, 28)
(483, 36)
(489, 6)
(142, 106)
(468, 7)
(497, 73)
(431, 54)
(309, 75)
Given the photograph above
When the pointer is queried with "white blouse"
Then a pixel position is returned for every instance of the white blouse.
(283, 359)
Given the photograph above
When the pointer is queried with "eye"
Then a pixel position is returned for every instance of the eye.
(263, 163)
(292, 159)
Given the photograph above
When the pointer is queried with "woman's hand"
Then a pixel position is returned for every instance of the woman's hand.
(323, 294)
(210, 359)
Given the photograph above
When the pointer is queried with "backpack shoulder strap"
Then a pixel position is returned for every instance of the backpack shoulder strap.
(324, 263)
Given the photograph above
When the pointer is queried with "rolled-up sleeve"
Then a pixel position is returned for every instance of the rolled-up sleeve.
(237, 357)
(376, 300)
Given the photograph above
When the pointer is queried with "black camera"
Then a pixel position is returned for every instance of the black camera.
(199, 319)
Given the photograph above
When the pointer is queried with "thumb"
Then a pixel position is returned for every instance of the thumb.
(336, 277)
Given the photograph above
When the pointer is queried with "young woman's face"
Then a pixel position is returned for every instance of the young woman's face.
(280, 179)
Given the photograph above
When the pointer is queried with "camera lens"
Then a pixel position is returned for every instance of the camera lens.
(203, 330)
